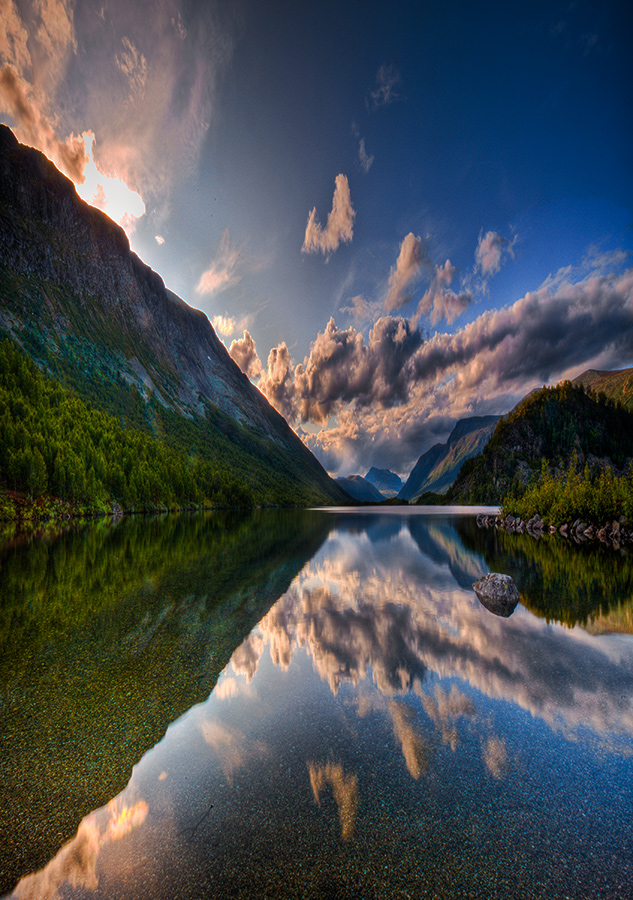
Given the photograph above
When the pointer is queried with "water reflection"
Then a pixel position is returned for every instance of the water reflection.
(378, 733)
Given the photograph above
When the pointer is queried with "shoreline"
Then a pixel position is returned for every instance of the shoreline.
(612, 534)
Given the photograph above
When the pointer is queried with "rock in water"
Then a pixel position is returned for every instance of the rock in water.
(498, 593)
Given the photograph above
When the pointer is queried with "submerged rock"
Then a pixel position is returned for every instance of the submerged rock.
(498, 593)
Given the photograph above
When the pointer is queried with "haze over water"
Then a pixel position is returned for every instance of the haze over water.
(373, 731)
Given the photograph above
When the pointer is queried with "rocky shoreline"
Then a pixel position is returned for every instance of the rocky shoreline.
(613, 534)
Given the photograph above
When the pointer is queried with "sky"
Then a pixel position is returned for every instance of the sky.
(395, 215)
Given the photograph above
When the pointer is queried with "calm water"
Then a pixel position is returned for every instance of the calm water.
(315, 705)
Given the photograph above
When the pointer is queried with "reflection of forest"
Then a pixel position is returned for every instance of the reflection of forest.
(558, 579)
(107, 634)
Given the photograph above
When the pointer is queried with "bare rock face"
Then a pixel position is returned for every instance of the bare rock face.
(498, 593)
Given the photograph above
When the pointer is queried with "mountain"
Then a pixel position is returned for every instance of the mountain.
(360, 489)
(93, 316)
(437, 469)
(616, 384)
(388, 483)
(549, 424)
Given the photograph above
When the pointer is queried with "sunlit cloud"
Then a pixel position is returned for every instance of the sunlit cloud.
(412, 260)
(109, 193)
(491, 252)
(439, 301)
(160, 240)
(222, 273)
(340, 222)
(243, 351)
(148, 86)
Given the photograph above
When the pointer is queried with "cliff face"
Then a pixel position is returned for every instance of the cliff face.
(437, 469)
(86, 308)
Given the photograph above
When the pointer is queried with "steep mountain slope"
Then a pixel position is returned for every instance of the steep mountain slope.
(617, 384)
(549, 424)
(360, 489)
(388, 483)
(437, 469)
(91, 314)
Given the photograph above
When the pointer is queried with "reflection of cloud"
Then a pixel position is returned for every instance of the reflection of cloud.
(228, 744)
(444, 709)
(496, 757)
(226, 689)
(340, 222)
(359, 612)
(344, 788)
(415, 748)
(76, 862)
(245, 660)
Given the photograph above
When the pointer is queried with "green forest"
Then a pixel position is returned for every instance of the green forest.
(59, 455)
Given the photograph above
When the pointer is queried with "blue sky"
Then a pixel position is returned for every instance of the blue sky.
(479, 158)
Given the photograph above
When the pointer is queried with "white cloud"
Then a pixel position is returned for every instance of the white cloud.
(491, 250)
(244, 352)
(385, 91)
(365, 160)
(412, 259)
(340, 222)
(223, 270)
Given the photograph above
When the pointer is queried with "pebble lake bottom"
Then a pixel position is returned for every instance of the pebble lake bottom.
(371, 731)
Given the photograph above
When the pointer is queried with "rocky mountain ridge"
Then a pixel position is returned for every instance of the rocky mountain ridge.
(89, 312)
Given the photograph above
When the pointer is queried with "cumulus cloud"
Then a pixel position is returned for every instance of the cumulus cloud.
(412, 259)
(340, 222)
(491, 251)
(365, 160)
(389, 392)
(277, 381)
(440, 302)
(342, 368)
(222, 273)
(385, 91)
(244, 352)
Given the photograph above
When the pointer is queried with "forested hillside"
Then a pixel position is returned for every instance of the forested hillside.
(554, 425)
(53, 444)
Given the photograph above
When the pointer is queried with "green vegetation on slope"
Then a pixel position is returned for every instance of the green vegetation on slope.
(552, 424)
(54, 444)
(596, 497)
(618, 385)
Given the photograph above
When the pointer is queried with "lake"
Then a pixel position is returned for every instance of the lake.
(313, 704)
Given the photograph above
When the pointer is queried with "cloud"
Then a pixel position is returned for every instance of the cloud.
(441, 302)
(244, 352)
(143, 85)
(384, 93)
(36, 130)
(222, 273)
(388, 392)
(160, 240)
(412, 259)
(224, 325)
(344, 788)
(363, 310)
(364, 159)
(277, 381)
(341, 368)
(340, 222)
(491, 250)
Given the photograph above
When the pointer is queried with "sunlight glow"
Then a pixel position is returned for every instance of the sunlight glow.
(109, 194)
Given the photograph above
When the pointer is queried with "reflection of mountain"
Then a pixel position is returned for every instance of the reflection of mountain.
(558, 580)
(108, 635)
(440, 541)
